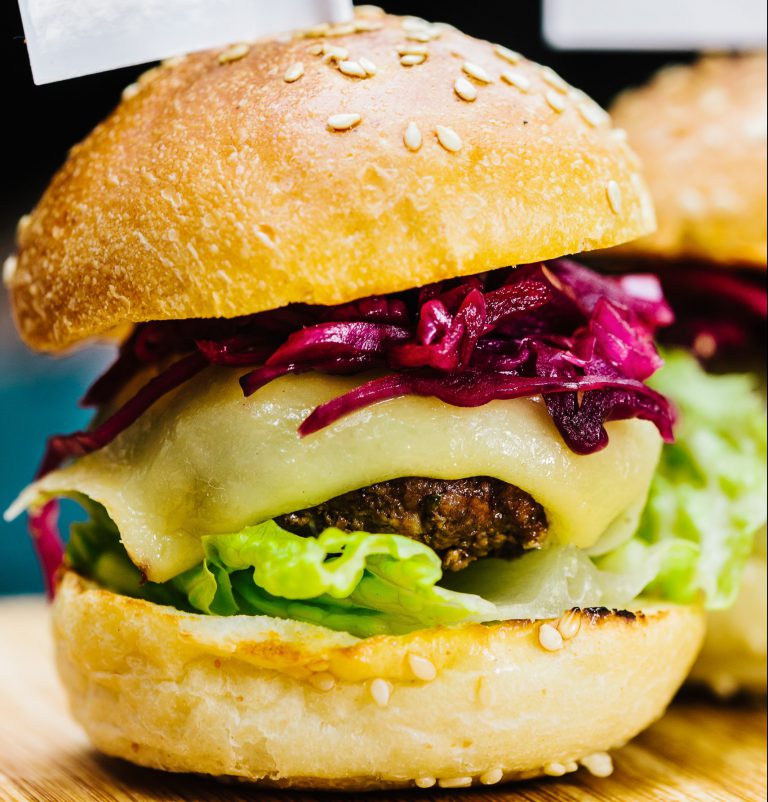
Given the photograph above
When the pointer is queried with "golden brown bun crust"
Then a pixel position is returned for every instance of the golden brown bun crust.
(733, 658)
(218, 189)
(285, 703)
(700, 132)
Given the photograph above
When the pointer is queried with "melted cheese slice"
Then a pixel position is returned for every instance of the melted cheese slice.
(205, 460)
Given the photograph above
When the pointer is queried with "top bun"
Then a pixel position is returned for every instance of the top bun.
(219, 186)
(701, 134)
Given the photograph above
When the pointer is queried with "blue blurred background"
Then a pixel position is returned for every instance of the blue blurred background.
(38, 394)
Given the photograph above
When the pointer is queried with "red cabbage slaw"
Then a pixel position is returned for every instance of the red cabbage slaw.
(582, 341)
(718, 312)
(43, 526)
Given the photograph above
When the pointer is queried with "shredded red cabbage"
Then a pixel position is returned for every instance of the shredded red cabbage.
(43, 526)
(717, 313)
(582, 341)
(79, 444)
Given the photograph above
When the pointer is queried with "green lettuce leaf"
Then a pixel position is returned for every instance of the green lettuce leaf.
(362, 583)
(542, 584)
(95, 551)
(376, 584)
(710, 488)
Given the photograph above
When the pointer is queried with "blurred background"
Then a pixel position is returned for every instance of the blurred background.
(38, 394)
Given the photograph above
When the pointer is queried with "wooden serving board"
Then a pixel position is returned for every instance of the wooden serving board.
(701, 751)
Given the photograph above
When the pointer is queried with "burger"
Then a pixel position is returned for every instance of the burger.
(701, 133)
(364, 482)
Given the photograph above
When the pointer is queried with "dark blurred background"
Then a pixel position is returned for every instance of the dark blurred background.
(38, 394)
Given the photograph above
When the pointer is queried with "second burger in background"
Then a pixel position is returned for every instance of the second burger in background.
(701, 133)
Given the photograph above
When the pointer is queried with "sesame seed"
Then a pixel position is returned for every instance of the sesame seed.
(444, 27)
(598, 764)
(754, 128)
(333, 53)
(368, 11)
(620, 134)
(23, 225)
(577, 96)
(549, 638)
(368, 26)
(413, 60)
(317, 49)
(367, 65)
(425, 782)
(381, 690)
(571, 765)
(294, 72)
(316, 32)
(723, 684)
(516, 79)
(569, 624)
(455, 782)
(448, 138)
(554, 769)
(9, 270)
(342, 29)
(412, 50)
(234, 53)
(412, 137)
(422, 36)
(705, 346)
(614, 196)
(555, 101)
(173, 61)
(592, 114)
(465, 90)
(508, 55)
(422, 668)
(414, 24)
(491, 777)
(353, 69)
(131, 91)
(149, 75)
(343, 122)
(553, 79)
(476, 72)
(322, 681)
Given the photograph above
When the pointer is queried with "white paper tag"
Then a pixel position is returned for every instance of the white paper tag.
(655, 24)
(67, 38)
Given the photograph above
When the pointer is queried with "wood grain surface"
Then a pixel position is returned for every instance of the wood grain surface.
(701, 751)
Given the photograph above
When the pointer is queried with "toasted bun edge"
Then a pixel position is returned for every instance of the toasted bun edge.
(287, 704)
(218, 188)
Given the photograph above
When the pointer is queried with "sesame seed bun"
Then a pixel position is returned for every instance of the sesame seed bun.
(290, 704)
(700, 132)
(319, 168)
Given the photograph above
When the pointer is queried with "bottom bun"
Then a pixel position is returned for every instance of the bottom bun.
(734, 655)
(291, 704)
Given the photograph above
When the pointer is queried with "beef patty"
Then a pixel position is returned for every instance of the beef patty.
(461, 519)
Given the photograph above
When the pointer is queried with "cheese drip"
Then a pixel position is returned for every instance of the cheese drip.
(205, 460)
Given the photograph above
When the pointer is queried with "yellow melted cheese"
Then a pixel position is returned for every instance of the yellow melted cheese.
(206, 460)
